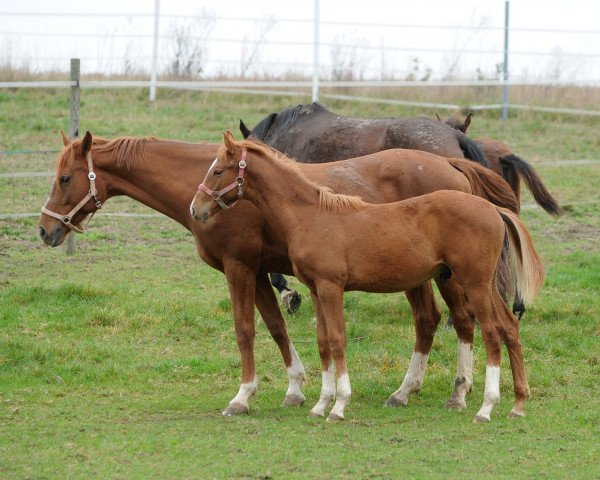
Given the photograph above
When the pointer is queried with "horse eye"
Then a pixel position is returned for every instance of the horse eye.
(218, 173)
(64, 179)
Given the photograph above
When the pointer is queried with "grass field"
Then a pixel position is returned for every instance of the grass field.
(116, 362)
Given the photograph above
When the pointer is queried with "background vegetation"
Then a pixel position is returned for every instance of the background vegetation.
(116, 362)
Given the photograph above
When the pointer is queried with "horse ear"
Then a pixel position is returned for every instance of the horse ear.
(229, 141)
(438, 117)
(66, 140)
(244, 129)
(467, 122)
(86, 143)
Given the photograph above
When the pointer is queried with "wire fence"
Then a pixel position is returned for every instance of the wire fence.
(209, 51)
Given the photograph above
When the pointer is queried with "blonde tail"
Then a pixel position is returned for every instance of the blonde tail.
(523, 260)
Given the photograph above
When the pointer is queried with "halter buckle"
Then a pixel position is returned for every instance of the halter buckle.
(92, 176)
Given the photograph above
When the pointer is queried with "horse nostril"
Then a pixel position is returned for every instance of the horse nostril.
(42, 232)
(193, 211)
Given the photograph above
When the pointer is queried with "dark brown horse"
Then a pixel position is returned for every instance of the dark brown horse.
(512, 168)
(164, 174)
(338, 243)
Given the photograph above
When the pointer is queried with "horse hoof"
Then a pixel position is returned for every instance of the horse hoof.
(334, 417)
(292, 301)
(453, 404)
(312, 414)
(294, 400)
(516, 414)
(396, 402)
(235, 409)
(481, 419)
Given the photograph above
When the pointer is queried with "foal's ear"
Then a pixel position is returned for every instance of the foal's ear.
(244, 129)
(438, 117)
(86, 143)
(66, 140)
(229, 141)
(467, 122)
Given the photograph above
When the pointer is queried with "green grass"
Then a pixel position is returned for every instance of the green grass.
(116, 362)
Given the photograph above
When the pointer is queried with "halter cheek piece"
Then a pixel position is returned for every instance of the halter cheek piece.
(238, 182)
(66, 218)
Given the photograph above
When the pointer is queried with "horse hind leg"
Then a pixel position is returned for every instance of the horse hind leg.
(510, 334)
(485, 310)
(426, 316)
(464, 324)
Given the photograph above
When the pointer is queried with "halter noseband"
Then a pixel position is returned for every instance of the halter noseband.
(66, 218)
(238, 182)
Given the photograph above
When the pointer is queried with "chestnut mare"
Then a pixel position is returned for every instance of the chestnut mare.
(338, 243)
(164, 175)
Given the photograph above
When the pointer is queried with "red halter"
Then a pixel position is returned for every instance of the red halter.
(66, 218)
(238, 182)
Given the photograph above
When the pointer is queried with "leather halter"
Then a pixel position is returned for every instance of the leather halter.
(238, 182)
(66, 218)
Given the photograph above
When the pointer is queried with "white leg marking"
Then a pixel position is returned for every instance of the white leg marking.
(464, 376)
(296, 378)
(284, 293)
(327, 392)
(342, 398)
(413, 380)
(491, 395)
(240, 401)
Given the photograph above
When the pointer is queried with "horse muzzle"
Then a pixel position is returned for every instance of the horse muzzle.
(54, 238)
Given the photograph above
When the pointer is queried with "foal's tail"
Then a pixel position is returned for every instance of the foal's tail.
(471, 150)
(523, 260)
(487, 184)
(534, 183)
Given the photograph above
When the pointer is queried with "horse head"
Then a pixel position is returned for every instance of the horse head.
(223, 184)
(75, 194)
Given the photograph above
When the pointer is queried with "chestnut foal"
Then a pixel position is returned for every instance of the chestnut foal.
(338, 243)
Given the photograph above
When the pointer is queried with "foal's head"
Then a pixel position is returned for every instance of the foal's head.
(223, 184)
(75, 181)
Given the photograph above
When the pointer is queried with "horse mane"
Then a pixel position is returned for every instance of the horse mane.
(124, 151)
(328, 200)
(286, 117)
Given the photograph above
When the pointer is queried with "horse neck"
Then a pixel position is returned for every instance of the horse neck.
(165, 180)
(281, 195)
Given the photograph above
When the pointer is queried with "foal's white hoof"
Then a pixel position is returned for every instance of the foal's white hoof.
(313, 414)
(516, 414)
(294, 400)
(235, 409)
(455, 404)
(481, 418)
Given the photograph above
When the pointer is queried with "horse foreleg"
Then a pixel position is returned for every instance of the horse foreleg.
(327, 371)
(331, 297)
(269, 310)
(426, 317)
(291, 298)
(464, 324)
(242, 285)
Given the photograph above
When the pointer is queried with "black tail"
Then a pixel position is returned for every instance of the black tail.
(534, 183)
(471, 150)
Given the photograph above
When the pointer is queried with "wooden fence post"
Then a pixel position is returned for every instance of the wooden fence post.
(74, 128)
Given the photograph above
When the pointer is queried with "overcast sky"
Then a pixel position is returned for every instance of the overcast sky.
(225, 32)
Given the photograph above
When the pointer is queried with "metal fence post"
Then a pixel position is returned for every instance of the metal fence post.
(315, 75)
(154, 52)
(74, 127)
(505, 67)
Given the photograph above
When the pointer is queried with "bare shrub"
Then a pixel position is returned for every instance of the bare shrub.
(252, 46)
(188, 45)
